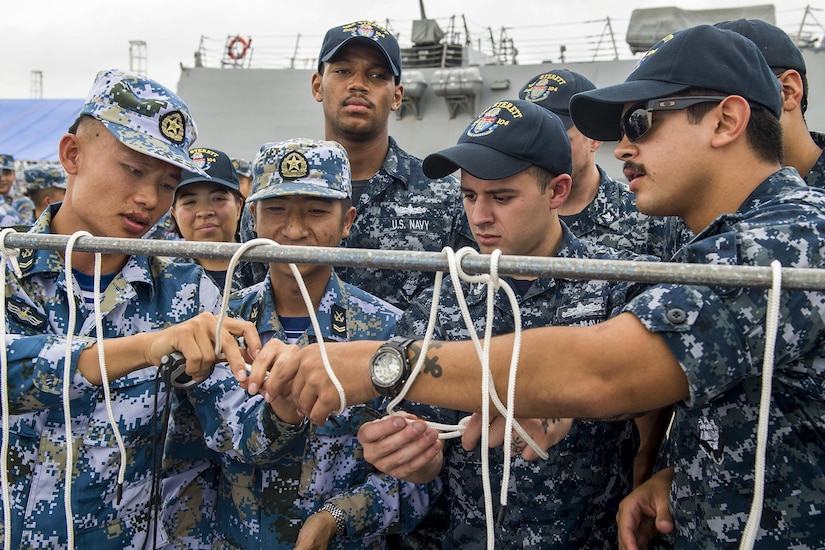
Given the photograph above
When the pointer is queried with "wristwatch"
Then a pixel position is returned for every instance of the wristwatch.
(390, 366)
(338, 515)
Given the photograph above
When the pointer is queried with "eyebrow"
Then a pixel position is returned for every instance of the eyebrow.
(494, 191)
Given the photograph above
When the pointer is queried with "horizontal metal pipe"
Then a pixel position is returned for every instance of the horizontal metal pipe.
(569, 268)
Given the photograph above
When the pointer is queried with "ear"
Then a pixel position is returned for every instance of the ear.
(731, 119)
(68, 151)
(792, 89)
(349, 218)
(397, 97)
(594, 145)
(560, 187)
(316, 87)
(254, 220)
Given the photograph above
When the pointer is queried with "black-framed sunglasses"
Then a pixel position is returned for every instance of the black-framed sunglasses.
(637, 120)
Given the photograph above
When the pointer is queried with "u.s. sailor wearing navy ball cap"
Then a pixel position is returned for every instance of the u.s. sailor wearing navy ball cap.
(515, 162)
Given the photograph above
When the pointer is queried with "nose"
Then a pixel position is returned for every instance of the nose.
(358, 81)
(146, 194)
(480, 213)
(625, 149)
(205, 209)
(295, 228)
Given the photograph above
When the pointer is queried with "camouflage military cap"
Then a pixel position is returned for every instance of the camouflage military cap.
(144, 116)
(45, 176)
(242, 166)
(7, 162)
(301, 166)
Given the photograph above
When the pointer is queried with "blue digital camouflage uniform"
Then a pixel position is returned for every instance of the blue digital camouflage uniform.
(612, 219)
(571, 499)
(148, 294)
(718, 337)
(402, 209)
(9, 216)
(240, 277)
(816, 177)
(24, 208)
(275, 475)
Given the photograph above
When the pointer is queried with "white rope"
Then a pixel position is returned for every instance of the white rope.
(67, 378)
(771, 328)
(7, 255)
(233, 262)
(488, 388)
(104, 376)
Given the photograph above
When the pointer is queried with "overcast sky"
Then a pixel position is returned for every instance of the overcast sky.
(71, 40)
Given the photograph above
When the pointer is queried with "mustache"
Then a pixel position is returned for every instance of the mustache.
(359, 97)
(634, 167)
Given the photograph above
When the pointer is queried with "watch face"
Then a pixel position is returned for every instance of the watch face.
(386, 368)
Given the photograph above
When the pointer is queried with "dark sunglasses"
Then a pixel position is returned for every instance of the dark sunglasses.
(637, 120)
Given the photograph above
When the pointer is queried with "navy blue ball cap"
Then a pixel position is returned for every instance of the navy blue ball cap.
(508, 137)
(553, 90)
(779, 50)
(218, 168)
(365, 32)
(698, 57)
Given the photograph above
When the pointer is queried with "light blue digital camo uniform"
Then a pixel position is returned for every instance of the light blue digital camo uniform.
(718, 337)
(612, 219)
(9, 216)
(24, 208)
(402, 209)
(275, 475)
(148, 294)
(571, 499)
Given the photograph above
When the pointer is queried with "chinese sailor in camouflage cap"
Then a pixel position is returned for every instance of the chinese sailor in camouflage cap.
(301, 197)
(45, 185)
(119, 182)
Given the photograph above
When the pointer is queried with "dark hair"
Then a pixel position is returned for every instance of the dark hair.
(764, 133)
(542, 175)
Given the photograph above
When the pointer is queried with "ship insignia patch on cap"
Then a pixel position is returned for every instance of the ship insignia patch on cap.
(485, 124)
(294, 165)
(172, 127)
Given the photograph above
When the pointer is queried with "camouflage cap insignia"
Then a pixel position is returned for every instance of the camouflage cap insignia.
(294, 165)
(172, 127)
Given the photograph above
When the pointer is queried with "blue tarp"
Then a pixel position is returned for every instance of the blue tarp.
(30, 129)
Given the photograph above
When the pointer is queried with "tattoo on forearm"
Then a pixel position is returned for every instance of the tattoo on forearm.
(431, 365)
(546, 422)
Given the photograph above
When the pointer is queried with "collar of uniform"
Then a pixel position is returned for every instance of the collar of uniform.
(397, 163)
(335, 294)
(775, 189)
(137, 269)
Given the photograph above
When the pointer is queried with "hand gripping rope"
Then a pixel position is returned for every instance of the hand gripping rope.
(487, 388)
(230, 271)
